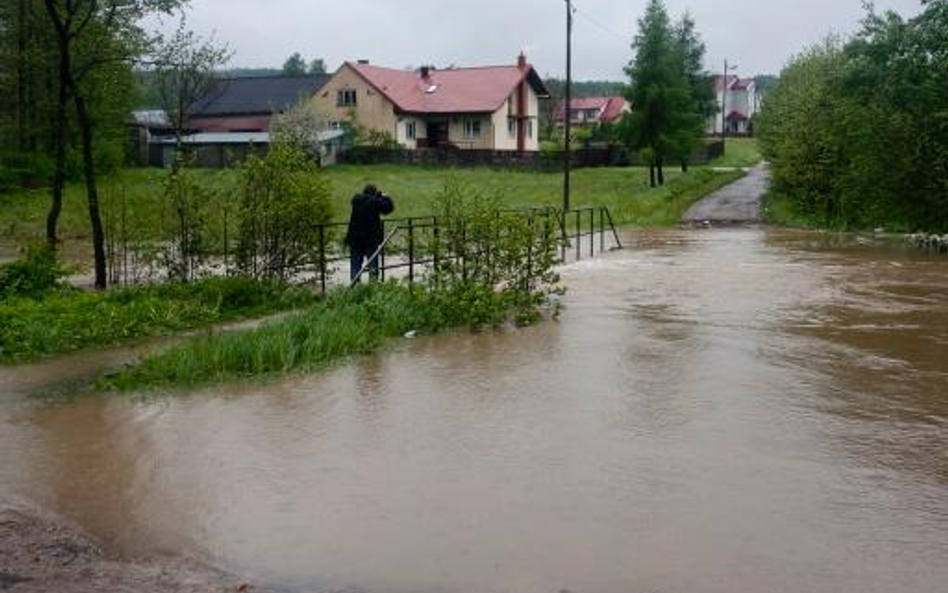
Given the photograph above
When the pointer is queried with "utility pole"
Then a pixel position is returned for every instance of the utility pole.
(724, 88)
(567, 119)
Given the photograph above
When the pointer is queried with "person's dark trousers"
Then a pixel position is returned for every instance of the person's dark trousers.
(358, 254)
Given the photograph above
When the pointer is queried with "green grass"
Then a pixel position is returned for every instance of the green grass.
(739, 152)
(624, 190)
(348, 322)
(67, 320)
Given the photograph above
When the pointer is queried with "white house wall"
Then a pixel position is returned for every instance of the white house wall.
(421, 131)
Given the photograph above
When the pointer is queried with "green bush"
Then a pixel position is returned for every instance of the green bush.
(38, 273)
(857, 132)
(283, 200)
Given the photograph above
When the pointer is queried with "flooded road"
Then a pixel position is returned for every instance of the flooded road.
(722, 411)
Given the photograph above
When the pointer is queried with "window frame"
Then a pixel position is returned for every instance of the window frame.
(343, 97)
(472, 128)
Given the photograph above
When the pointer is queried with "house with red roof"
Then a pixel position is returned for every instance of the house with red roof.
(740, 101)
(592, 111)
(486, 108)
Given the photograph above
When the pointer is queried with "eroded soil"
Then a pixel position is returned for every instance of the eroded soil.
(40, 553)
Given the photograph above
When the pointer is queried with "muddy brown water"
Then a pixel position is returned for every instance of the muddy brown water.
(716, 411)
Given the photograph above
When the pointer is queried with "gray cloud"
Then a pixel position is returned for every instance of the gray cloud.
(759, 35)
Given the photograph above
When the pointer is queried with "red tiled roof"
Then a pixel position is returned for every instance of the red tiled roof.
(734, 83)
(460, 90)
(613, 110)
(610, 108)
(731, 80)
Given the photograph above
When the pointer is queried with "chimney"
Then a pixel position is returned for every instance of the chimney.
(522, 61)
(365, 62)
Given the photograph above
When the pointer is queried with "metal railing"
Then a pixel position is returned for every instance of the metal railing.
(576, 226)
(411, 247)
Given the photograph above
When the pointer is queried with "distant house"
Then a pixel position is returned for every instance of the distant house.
(741, 102)
(247, 104)
(490, 107)
(224, 149)
(232, 122)
(592, 111)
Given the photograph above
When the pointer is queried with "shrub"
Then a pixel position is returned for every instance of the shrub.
(38, 273)
(283, 200)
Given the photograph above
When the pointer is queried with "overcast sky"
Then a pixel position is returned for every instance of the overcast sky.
(758, 35)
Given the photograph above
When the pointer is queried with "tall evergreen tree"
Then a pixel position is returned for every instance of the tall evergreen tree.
(659, 93)
(702, 99)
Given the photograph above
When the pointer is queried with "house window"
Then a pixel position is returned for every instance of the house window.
(529, 128)
(512, 128)
(410, 130)
(472, 128)
(346, 98)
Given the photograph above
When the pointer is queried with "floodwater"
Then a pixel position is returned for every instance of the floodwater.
(718, 411)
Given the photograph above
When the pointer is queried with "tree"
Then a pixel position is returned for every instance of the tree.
(317, 66)
(299, 127)
(662, 111)
(94, 38)
(702, 98)
(185, 75)
(857, 132)
(294, 65)
(284, 200)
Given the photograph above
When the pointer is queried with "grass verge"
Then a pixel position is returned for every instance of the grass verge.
(739, 152)
(624, 190)
(348, 322)
(66, 320)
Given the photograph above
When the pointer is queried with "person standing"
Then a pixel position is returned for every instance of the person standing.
(365, 234)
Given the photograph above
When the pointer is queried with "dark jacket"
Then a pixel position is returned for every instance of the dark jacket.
(365, 224)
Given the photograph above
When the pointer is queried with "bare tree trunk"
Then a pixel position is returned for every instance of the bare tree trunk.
(92, 192)
(59, 131)
(22, 79)
(661, 173)
(651, 174)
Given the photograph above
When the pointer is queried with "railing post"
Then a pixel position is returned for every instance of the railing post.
(533, 237)
(381, 261)
(579, 234)
(464, 252)
(563, 236)
(411, 252)
(592, 232)
(602, 229)
(322, 257)
(436, 233)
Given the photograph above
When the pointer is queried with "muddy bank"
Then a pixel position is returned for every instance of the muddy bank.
(39, 553)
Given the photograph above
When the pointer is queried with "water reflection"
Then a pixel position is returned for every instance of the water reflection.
(715, 411)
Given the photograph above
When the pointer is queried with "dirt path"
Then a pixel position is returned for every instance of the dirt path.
(40, 554)
(737, 203)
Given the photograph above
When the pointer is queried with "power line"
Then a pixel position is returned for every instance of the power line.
(594, 22)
